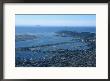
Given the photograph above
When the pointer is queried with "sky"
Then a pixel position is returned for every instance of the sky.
(56, 20)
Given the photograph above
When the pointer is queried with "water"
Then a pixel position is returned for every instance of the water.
(47, 35)
(22, 30)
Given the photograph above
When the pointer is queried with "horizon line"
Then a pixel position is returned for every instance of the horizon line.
(51, 26)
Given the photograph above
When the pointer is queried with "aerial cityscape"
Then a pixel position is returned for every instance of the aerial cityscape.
(61, 40)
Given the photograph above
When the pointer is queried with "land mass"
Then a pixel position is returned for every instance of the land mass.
(25, 37)
(61, 57)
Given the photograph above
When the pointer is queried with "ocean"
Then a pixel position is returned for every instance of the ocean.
(21, 30)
